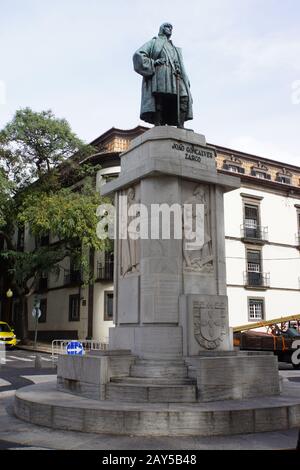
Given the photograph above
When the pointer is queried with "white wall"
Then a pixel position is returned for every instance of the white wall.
(233, 213)
(277, 304)
(279, 214)
(56, 281)
(101, 327)
(58, 311)
(235, 261)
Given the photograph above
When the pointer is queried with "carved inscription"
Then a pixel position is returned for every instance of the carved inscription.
(194, 152)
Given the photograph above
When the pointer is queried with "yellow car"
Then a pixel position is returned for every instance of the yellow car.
(7, 335)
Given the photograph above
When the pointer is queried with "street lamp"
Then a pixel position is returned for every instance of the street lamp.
(9, 293)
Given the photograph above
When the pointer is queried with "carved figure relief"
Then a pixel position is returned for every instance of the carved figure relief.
(130, 247)
(199, 259)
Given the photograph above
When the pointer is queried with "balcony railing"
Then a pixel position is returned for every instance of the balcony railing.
(256, 279)
(105, 270)
(72, 277)
(257, 233)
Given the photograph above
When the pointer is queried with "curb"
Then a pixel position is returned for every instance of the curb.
(40, 349)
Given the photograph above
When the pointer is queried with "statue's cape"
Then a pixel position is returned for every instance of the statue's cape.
(144, 58)
(143, 63)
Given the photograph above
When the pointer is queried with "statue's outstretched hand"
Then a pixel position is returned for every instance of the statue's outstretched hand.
(159, 62)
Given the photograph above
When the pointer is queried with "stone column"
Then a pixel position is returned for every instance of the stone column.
(170, 301)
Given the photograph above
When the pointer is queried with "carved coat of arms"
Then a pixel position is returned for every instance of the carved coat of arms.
(209, 323)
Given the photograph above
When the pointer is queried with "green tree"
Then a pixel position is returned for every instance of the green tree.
(40, 165)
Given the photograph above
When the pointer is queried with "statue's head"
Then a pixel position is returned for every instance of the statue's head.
(131, 194)
(199, 192)
(165, 30)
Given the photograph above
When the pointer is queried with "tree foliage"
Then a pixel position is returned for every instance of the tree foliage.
(45, 188)
(34, 143)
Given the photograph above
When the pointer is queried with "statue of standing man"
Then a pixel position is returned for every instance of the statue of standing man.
(166, 96)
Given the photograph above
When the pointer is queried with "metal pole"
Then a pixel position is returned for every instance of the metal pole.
(36, 327)
(178, 99)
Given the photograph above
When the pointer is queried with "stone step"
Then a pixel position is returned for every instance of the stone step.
(161, 369)
(154, 380)
(44, 405)
(138, 393)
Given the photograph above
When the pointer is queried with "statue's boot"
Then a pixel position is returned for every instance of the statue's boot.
(181, 120)
(158, 118)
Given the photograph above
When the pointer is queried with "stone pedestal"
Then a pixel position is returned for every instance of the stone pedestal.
(170, 301)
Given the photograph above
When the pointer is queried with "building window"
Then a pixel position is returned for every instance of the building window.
(105, 268)
(255, 309)
(251, 230)
(283, 179)
(43, 281)
(108, 305)
(43, 309)
(251, 215)
(254, 268)
(233, 168)
(74, 312)
(261, 174)
(72, 275)
(108, 178)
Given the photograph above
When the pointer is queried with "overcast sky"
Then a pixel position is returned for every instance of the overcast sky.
(75, 57)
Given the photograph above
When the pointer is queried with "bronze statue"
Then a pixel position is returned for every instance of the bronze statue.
(166, 96)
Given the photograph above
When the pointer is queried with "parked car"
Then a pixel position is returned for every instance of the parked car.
(7, 335)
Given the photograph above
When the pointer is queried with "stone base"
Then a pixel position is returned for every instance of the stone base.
(45, 405)
(234, 377)
(88, 375)
(115, 392)
(210, 376)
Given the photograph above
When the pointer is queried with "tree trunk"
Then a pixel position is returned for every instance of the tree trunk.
(22, 323)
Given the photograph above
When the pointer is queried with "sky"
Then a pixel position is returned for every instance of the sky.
(75, 58)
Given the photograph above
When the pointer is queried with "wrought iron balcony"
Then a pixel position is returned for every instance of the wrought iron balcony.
(256, 279)
(255, 233)
(105, 270)
(72, 277)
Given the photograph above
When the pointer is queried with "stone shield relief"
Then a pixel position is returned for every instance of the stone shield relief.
(209, 323)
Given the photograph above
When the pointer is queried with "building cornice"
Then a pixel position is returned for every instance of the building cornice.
(288, 190)
(255, 158)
